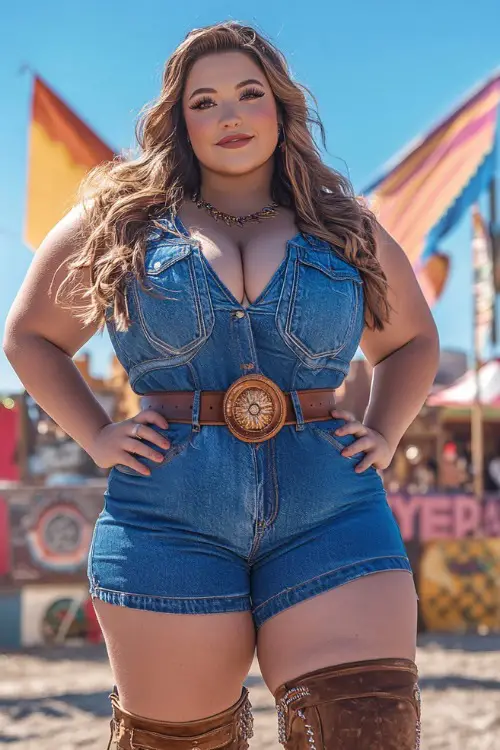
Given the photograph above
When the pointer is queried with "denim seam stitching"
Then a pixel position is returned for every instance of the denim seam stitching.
(326, 435)
(333, 274)
(226, 292)
(291, 305)
(194, 374)
(175, 598)
(90, 560)
(280, 269)
(208, 296)
(197, 299)
(114, 340)
(274, 475)
(172, 453)
(258, 534)
(166, 264)
(328, 572)
(252, 345)
(282, 332)
(161, 345)
(163, 362)
(156, 343)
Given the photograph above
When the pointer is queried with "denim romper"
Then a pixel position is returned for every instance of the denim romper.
(223, 525)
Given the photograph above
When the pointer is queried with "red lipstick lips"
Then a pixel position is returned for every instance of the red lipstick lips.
(234, 141)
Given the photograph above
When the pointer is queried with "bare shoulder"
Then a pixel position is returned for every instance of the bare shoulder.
(35, 310)
(410, 316)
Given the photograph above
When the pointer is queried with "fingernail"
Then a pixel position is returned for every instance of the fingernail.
(166, 443)
(339, 431)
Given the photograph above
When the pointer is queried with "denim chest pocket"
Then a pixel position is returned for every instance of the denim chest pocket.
(319, 308)
(176, 313)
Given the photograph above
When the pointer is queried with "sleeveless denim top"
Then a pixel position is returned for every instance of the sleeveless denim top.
(191, 333)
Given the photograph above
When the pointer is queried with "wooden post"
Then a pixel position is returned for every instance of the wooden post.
(477, 438)
(476, 427)
(495, 251)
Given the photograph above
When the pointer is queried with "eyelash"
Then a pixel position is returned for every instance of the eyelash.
(257, 93)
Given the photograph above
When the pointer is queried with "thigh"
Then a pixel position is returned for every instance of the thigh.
(177, 667)
(372, 617)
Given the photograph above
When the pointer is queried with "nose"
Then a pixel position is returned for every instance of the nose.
(230, 120)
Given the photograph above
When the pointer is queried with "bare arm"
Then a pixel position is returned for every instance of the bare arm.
(41, 338)
(405, 356)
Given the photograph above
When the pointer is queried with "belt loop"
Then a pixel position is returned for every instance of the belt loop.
(195, 417)
(298, 410)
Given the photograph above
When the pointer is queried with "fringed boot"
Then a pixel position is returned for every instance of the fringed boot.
(229, 729)
(364, 705)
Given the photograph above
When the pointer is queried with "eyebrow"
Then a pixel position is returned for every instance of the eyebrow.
(238, 86)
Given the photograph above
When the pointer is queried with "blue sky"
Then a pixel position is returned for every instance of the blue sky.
(382, 72)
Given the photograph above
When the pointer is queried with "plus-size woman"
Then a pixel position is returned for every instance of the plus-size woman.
(237, 275)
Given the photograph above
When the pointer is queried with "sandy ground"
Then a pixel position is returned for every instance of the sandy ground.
(57, 698)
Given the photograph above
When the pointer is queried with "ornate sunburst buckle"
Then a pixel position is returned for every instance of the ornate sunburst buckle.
(254, 408)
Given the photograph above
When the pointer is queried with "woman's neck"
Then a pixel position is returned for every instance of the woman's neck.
(239, 194)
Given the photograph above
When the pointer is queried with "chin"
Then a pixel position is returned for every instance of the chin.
(237, 167)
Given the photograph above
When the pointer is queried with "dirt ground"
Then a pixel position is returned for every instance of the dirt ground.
(57, 698)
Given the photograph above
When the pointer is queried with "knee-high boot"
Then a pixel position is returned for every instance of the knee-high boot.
(365, 705)
(229, 729)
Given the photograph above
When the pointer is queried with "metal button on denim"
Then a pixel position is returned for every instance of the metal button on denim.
(240, 314)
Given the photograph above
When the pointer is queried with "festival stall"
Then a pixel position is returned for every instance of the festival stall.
(453, 407)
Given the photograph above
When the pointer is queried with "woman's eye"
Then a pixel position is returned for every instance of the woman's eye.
(207, 102)
(252, 93)
(201, 103)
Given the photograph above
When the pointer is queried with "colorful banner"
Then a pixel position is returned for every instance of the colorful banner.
(484, 290)
(62, 149)
(421, 197)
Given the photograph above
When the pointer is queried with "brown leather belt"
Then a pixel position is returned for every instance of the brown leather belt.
(253, 407)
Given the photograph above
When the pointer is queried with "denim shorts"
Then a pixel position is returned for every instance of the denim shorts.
(228, 526)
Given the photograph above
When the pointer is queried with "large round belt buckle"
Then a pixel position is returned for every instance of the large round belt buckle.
(254, 408)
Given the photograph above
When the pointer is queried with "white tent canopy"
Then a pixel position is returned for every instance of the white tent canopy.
(463, 391)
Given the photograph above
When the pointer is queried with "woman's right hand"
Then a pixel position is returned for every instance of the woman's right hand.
(117, 441)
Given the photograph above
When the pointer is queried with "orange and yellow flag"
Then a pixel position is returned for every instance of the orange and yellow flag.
(62, 149)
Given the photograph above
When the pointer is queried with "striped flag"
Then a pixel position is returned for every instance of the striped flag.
(484, 290)
(62, 149)
(422, 196)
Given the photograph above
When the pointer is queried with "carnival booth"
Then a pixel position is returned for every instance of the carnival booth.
(453, 408)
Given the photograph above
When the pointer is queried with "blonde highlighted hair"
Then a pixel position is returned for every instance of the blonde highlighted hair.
(124, 198)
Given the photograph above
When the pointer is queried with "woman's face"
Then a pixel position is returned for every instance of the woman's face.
(230, 113)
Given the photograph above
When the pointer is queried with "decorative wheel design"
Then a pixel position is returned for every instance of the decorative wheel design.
(254, 408)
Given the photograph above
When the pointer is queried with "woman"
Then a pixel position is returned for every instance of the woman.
(237, 274)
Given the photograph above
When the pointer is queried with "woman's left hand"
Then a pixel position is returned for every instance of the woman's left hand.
(372, 443)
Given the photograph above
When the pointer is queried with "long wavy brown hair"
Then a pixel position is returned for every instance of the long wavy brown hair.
(124, 198)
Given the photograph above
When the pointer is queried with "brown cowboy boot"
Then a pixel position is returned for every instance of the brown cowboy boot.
(228, 729)
(364, 705)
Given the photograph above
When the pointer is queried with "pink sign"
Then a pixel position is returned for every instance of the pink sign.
(427, 517)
